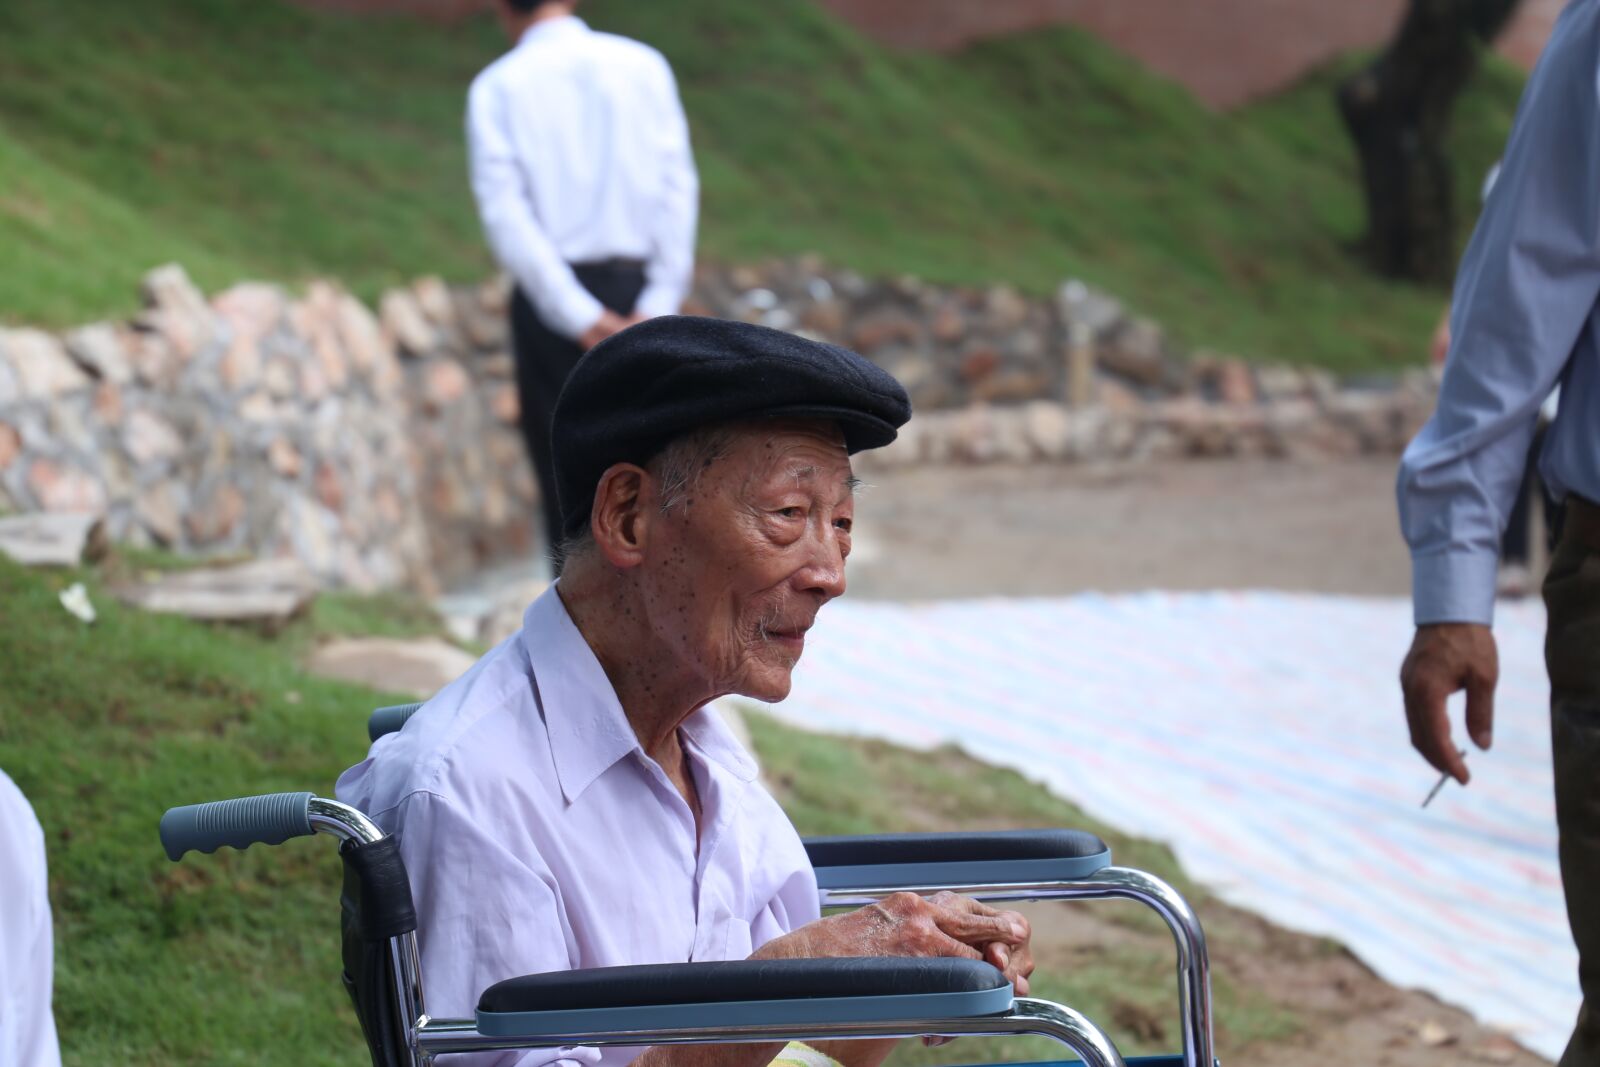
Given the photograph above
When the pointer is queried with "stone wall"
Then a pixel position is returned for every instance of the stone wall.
(382, 449)
(995, 376)
(249, 424)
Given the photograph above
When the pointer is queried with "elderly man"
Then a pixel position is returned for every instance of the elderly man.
(570, 801)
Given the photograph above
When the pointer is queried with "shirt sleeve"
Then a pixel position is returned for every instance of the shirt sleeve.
(27, 947)
(792, 899)
(669, 270)
(509, 223)
(1525, 290)
(483, 916)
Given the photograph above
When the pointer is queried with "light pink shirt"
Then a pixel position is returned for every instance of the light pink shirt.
(539, 837)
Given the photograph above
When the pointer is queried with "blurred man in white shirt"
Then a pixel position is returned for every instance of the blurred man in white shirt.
(27, 1029)
(587, 190)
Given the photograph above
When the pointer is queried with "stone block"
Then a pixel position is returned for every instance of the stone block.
(148, 438)
(1005, 308)
(980, 360)
(159, 509)
(42, 367)
(241, 363)
(444, 383)
(1277, 382)
(883, 329)
(1012, 386)
(10, 445)
(1076, 302)
(107, 404)
(949, 325)
(358, 332)
(155, 362)
(284, 458)
(176, 310)
(1136, 351)
(64, 487)
(505, 404)
(1049, 429)
(1235, 384)
(98, 348)
(329, 487)
(496, 365)
(281, 376)
(434, 301)
(215, 514)
(250, 308)
(403, 320)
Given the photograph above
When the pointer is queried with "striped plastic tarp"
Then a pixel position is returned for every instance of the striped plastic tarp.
(1261, 735)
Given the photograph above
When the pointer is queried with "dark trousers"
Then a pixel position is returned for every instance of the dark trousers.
(545, 358)
(1572, 655)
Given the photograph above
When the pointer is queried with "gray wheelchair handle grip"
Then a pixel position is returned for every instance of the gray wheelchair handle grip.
(269, 820)
(390, 719)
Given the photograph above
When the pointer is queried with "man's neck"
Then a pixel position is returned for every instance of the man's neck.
(542, 13)
(656, 695)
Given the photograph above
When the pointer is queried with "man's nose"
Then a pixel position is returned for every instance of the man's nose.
(824, 571)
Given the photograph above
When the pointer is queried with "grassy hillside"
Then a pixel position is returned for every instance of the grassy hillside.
(232, 958)
(262, 140)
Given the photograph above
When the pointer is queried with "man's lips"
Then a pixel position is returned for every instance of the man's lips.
(793, 637)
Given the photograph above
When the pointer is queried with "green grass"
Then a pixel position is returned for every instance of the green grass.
(262, 140)
(232, 958)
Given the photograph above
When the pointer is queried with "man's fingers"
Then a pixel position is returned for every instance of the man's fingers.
(998, 955)
(1480, 710)
(957, 902)
(941, 944)
(1430, 730)
(977, 929)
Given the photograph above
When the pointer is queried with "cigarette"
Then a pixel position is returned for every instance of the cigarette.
(1443, 778)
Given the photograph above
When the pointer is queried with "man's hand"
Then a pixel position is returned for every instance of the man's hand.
(905, 924)
(1445, 657)
(607, 324)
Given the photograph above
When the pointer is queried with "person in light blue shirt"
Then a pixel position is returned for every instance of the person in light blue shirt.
(1525, 318)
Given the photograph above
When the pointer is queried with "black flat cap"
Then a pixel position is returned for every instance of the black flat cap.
(635, 392)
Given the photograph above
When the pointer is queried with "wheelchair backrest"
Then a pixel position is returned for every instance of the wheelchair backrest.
(374, 906)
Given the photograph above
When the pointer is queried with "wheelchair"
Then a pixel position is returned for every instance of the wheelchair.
(736, 1001)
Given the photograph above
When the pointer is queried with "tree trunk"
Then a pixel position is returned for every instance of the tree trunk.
(1398, 113)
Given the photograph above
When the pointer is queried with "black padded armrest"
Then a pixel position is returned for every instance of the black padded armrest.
(741, 992)
(982, 857)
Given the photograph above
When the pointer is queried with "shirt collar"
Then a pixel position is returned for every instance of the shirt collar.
(583, 718)
(546, 29)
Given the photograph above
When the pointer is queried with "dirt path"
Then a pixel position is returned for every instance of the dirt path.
(1053, 530)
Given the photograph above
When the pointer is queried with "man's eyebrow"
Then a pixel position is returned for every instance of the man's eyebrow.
(810, 471)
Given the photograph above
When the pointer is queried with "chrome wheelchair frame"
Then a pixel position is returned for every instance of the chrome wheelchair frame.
(274, 818)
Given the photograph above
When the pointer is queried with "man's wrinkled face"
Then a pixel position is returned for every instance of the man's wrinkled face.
(750, 553)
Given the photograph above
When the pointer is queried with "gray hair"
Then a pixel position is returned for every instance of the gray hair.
(678, 468)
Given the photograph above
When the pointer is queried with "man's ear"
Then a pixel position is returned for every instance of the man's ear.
(620, 518)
